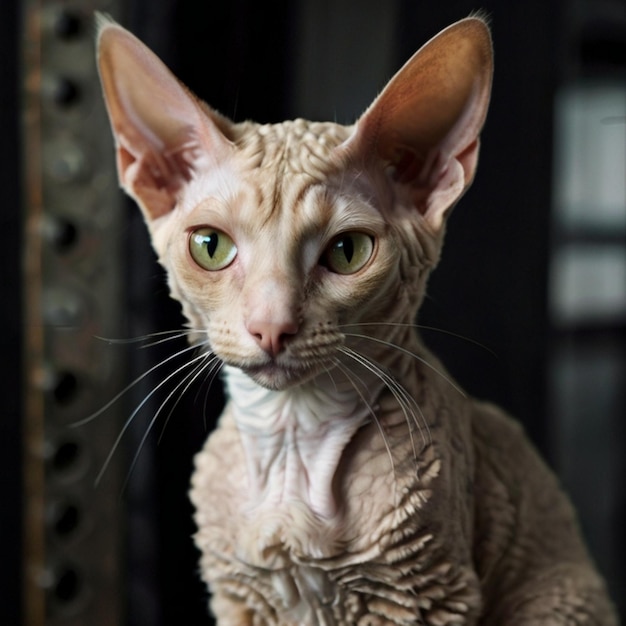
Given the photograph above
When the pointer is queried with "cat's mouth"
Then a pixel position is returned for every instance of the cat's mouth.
(278, 376)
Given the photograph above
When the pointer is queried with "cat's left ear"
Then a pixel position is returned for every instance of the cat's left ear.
(426, 123)
(163, 134)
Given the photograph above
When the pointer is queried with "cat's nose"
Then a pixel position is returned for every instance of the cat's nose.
(272, 336)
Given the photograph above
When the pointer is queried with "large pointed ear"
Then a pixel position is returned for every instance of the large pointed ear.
(162, 132)
(426, 122)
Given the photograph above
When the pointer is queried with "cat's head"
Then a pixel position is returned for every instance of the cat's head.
(278, 239)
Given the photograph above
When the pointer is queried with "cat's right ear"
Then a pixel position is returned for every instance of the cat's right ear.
(425, 124)
(163, 135)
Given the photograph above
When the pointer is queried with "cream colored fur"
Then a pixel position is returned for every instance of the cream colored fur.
(350, 480)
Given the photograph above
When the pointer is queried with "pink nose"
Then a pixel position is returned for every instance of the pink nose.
(271, 336)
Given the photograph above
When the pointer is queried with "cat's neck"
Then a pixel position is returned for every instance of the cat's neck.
(294, 438)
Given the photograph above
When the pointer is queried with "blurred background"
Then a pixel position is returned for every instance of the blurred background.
(532, 282)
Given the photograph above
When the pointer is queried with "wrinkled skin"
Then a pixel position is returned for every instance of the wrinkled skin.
(350, 480)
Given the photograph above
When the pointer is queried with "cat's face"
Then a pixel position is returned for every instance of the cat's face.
(281, 240)
(283, 247)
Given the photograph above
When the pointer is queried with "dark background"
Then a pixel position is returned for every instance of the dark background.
(246, 59)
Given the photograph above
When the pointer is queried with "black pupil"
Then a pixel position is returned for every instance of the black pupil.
(347, 245)
(211, 242)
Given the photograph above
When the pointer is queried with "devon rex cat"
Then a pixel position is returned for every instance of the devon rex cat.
(350, 480)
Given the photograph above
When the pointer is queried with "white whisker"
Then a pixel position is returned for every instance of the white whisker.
(140, 406)
(126, 389)
(209, 364)
(207, 358)
(173, 334)
(412, 354)
(215, 369)
(329, 373)
(434, 329)
(406, 402)
(181, 334)
(349, 375)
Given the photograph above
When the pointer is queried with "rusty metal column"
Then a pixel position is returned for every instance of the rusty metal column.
(74, 227)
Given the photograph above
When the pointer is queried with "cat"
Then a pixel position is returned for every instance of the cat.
(350, 480)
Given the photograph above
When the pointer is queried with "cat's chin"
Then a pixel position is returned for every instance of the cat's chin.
(278, 377)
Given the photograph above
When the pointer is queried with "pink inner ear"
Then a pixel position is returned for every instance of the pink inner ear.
(407, 166)
(155, 177)
(161, 130)
(469, 159)
(426, 122)
(412, 169)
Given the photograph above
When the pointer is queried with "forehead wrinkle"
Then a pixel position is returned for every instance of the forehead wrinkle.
(277, 155)
(296, 231)
(246, 210)
(329, 213)
(220, 182)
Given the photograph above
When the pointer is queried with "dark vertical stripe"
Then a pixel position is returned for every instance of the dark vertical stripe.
(10, 319)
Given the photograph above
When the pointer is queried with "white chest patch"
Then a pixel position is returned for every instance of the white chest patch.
(293, 440)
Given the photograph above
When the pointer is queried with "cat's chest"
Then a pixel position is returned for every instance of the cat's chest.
(266, 540)
(291, 444)
(273, 552)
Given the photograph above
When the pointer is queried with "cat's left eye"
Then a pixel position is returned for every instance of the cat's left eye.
(348, 253)
(212, 249)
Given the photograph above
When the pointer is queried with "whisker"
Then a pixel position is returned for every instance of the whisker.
(349, 375)
(407, 403)
(412, 354)
(173, 334)
(209, 364)
(126, 389)
(329, 373)
(435, 329)
(138, 408)
(214, 372)
(396, 389)
(188, 380)
(186, 333)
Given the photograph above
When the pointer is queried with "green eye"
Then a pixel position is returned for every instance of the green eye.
(212, 249)
(349, 252)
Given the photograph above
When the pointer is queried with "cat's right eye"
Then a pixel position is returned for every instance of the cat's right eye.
(212, 249)
(349, 252)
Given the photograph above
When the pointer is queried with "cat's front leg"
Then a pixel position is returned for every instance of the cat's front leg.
(529, 552)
